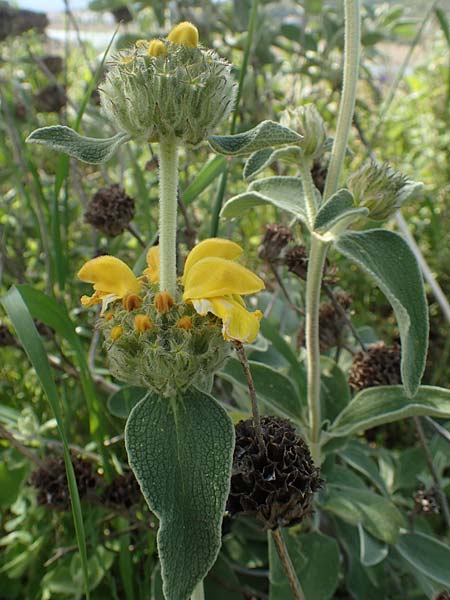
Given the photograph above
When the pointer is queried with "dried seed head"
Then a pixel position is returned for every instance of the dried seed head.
(276, 238)
(123, 491)
(331, 322)
(51, 98)
(6, 337)
(164, 302)
(378, 365)
(277, 483)
(54, 63)
(110, 211)
(122, 14)
(50, 481)
(319, 174)
(296, 260)
(444, 595)
(426, 502)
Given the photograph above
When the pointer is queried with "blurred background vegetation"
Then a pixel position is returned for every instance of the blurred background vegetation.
(48, 75)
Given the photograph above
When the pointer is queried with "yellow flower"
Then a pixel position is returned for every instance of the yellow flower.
(152, 271)
(112, 280)
(184, 33)
(156, 48)
(214, 282)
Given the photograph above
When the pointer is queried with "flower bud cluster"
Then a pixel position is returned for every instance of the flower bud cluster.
(169, 88)
(307, 121)
(154, 342)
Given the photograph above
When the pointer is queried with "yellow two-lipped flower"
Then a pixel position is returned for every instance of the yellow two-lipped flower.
(214, 283)
(112, 279)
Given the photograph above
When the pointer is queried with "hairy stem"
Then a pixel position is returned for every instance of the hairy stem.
(251, 388)
(288, 567)
(347, 104)
(318, 252)
(168, 183)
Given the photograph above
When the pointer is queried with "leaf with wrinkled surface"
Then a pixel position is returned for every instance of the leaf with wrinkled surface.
(387, 258)
(427, 555)
(261, 159)
(180, 450)
(87, 149)
(265, 135)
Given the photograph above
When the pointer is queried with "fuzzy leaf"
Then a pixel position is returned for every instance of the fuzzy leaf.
(180, 450)
(337, 213)
(285, 193)
(427, 555)
(385, 404)
(265, 135)
(263, 158)
(64, 139)
(387, 258)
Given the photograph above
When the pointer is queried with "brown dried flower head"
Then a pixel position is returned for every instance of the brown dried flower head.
(110, 211)
(378, 365)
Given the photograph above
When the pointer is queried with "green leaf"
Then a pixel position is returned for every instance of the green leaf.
(358, 506)
(338, 213)
(385, 404)
(180, 450)
(443, 22)
(121, 402)
(315, 558)
(372, 551)
(265, 135)
(427, 555)
(222, 582)
(207, 174)
(64, 139)
(261, 159)
(285, 193)
(356, 455)
(388, 259)
(334, 389)
(274, 389)
(20, 317)
(11, 481)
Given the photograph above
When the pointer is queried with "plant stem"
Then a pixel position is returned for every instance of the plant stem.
(308, 188)
(347, 104)
(318, 252)
(288, 567)
(168, 184)
(198, 593)
(251, 388)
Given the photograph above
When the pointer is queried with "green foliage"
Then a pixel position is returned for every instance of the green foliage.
(180, 450)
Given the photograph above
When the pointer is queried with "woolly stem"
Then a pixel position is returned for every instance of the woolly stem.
(287, 565)
(168, 183)
(308, 188)
(347, 104)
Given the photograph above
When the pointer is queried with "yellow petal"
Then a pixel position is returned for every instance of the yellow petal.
(214, 277)
(238, 323)
(156, 48)
(109, 275)
(153, 258)
(184, 33)
(218, 247)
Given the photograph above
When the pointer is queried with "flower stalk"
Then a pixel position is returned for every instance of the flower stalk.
(168, 183)
(287, 565)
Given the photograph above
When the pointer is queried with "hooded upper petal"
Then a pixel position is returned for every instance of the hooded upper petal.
(217, 247)
(237, 322)
(213, 277)
(153, 259)
(110, 275)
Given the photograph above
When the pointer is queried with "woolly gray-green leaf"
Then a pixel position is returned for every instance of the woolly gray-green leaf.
(89, 150)
(387, 258)
(385, 404)
(427, 555)
(286, 193)
(263, 158)
(180, 450)
(265, 135)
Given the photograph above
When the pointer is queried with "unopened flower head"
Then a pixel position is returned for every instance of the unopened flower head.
(381, 189)
(169, 87)
(168, 343)
(307, 121)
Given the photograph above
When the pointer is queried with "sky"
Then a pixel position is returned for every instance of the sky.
(50, 5)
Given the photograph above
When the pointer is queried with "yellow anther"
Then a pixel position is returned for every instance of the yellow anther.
(125, 60)
(143, 323)
(116, 332)
(108, 316)
(156, 48)
(164, 302)
(185, 323)
(184, 33)
(131, 302)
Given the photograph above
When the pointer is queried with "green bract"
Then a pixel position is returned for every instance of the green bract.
(184, 93)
